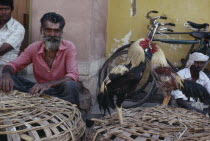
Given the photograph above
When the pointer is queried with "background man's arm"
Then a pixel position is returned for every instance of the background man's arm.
(6, 82)
(5, 47)
(13, 41)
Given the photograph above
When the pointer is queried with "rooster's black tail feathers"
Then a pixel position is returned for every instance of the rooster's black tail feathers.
(196, 91)
(105, 101)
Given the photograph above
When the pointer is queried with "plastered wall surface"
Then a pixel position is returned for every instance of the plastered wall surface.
(127, 22)
(85, 24)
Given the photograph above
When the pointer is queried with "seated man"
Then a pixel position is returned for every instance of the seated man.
(54, 64)
(11, 33)
(193, 72)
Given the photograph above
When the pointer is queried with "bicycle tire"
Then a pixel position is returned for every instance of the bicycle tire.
(103, 70)
(143, 87)
(123, 48)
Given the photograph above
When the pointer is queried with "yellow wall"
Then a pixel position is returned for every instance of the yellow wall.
(122, 27)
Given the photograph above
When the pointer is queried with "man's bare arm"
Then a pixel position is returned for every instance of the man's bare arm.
(8, 69)
(6, 82)
(5, 47)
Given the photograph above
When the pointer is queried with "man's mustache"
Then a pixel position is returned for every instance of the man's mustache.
(5, 16)
(50, 38)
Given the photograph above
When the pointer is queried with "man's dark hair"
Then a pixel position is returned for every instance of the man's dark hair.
(54, 18)
(7, 3)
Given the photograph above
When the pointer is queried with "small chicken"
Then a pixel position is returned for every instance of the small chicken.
(167, 80)
(123, 79)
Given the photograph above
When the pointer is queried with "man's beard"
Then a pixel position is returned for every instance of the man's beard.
(5, 18)
(196, 68)
(51, 43)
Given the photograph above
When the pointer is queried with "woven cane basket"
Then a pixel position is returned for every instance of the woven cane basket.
(27, 118)
(152, 124)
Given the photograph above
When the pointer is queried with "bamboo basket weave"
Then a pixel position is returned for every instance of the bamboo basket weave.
(27, 118)
(152, 124)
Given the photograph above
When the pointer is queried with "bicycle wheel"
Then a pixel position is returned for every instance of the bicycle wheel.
(125, 47)
(104, 70)
(146, 86)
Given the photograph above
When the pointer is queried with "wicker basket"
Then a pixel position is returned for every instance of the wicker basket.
(152, 124)
(23, 117)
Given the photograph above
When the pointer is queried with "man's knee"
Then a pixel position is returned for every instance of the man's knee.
(70, 84)
(71, 87)
(72, 90)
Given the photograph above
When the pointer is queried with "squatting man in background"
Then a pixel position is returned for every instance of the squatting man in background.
(54, 64)
(193, 71)
(11, 33)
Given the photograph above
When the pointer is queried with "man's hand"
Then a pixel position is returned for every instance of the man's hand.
(6, 83)
(38, 89)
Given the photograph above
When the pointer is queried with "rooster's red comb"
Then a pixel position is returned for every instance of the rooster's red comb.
(144, 43)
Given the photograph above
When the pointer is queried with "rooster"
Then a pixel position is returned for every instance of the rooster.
(123, 79)
(167, 80)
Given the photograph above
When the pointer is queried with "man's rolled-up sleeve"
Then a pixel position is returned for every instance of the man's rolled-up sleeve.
(71, 65)
(21, 61)
(16, 38)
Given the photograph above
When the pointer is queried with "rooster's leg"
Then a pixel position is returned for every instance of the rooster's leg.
(119, 114)
(166, 101)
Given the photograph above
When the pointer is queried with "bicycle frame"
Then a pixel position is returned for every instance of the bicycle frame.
(192, 42)
(149, 85)
(154, 30)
